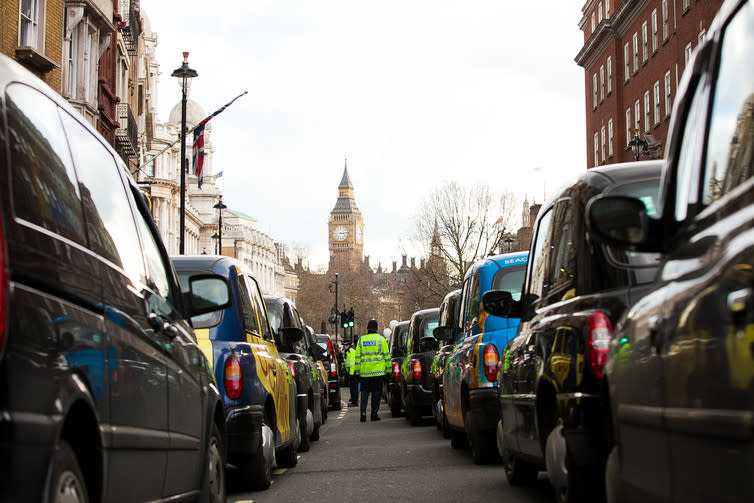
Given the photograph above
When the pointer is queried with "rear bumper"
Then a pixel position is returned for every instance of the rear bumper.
(584, 428)
(334, 389)
(418, 397)
(243, 426)
(26, 446)
(483, 413)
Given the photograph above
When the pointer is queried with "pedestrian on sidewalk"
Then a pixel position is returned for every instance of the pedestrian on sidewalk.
(372, 363)
(353, 378)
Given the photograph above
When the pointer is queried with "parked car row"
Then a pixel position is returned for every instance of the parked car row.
(142, 367)
(627, 368)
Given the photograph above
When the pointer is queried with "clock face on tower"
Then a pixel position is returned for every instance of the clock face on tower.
(358, 234)
(340, 233)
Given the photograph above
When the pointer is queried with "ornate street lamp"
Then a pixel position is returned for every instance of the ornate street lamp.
(637, 145)
(508, 243)
(184, 73)
(216, 236)
(220, 207)
(334, 314)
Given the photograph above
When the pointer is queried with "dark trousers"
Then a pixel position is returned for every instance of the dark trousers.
(354, 388)
(373, 386)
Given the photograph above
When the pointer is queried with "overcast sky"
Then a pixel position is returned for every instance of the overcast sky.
(414, 93)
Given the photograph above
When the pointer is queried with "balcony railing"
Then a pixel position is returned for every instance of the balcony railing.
(130, 27)
(126, 136)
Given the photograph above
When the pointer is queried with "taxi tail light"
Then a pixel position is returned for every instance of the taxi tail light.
(599, 331)
(333, 370)
(233, 377)
(292, 366)
(418, 374)
(3, 287)
(396, 372)
(490, 358)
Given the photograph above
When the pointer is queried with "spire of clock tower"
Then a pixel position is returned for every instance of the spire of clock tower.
(346, 227)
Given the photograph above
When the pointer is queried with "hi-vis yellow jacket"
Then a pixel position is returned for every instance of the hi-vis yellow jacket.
(372, 356)
(351, 360)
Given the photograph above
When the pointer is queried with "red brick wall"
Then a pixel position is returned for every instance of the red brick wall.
(684, 27)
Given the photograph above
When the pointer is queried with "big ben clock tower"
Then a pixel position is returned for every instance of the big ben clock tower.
(346, 229)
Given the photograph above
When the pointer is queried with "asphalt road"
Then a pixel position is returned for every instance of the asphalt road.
(386, 461)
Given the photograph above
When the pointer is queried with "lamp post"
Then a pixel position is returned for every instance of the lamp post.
(335, 307)
(220, 207)
(216, 236)
(184, 73)
(637, 145)
(508, 240)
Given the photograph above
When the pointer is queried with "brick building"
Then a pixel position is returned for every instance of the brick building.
(31, 32)
(633, 56)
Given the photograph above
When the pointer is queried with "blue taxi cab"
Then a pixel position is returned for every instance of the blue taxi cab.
(470, 378)
(257, 387)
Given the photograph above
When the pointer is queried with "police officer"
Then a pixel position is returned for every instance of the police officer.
(353, 379)
(372, 363)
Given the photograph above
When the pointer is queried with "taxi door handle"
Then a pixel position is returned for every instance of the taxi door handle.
(653, 324)
(738, 301)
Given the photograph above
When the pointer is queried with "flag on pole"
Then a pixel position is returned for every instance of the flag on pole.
(198, 147)
(198, 152)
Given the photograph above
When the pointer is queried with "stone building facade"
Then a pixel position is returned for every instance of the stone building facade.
(100, 56)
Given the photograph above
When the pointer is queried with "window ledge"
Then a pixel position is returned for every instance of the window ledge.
(31, 58)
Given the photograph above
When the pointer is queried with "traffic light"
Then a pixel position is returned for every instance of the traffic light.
(350, 318)
(344, 319)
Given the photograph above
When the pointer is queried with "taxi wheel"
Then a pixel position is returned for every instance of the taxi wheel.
(288, 456)
(216, 468)
(67, 479)
(306, 441)
(257, 471)
(483, 448)
(519, 473)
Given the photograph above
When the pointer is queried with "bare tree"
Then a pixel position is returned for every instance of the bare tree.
(463, 224)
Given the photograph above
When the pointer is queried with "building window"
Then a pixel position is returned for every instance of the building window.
(602, 135)
(628, 125)
(594, 90)
(602, 83)
(647, 124)
(73, 49)
(599, 13)
(644, 42)
(596, 149)
(607, 9)
(657, 102)
(28, 33)
(701, 36)
(609, 75)
(627, 69)
(610, 138)
(685, 4)
(687, 54)
(637, 115)
(594, 24)
(81, 67)
(636, 52)
(668, 103)
(665, 27)
(654, 31)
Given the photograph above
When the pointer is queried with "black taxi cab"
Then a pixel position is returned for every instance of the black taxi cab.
(575, 289)
(680, 368)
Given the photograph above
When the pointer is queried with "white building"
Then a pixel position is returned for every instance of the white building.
(159, 174)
